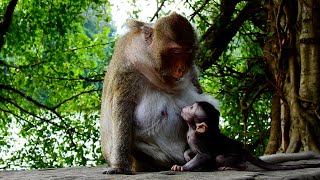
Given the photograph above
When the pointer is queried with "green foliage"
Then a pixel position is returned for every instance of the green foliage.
(236, 77)
(53, 65)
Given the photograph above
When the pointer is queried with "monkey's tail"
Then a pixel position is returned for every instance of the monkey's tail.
(269, 166)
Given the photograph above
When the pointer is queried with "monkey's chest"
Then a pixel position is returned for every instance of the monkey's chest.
(156, 111)
(159, 130)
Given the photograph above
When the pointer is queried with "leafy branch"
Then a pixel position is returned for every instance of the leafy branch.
(28, 112)
(90, 46)
(37, 63)
(29, 98)
(218, 36)
(197, 11)
(156, 14)
(69, 99)
(7, 18)
(70, 131)
(96, 78)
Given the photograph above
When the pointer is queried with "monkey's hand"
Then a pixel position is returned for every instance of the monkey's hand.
(188, 155)
(117, 171)
(177, 168)
(188, 158)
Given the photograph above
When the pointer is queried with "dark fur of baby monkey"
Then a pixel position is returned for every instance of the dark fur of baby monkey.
(211, 150)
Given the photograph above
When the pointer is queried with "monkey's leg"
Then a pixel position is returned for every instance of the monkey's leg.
(120, 159)
(230, 162)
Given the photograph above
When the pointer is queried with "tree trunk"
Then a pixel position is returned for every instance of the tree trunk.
(275, 133)
(292, 54)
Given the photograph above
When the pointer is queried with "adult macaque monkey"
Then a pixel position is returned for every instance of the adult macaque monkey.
(209, 149)
(150, 78)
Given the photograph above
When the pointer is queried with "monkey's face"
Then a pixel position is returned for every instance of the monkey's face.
(190, 113)
(173, 46)
(175, 62)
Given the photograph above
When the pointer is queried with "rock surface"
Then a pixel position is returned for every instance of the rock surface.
(96, 173)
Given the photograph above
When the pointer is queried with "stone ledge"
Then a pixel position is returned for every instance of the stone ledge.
(96, 173)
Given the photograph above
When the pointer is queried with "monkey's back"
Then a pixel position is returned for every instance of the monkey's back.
(223, 145)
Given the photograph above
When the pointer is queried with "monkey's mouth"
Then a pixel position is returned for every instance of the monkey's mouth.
(184, 115)
(170, 79)
(176, 79)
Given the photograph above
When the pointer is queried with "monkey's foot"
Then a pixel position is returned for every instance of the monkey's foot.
(118, 171)
(177, 168)
(239, 168)
(225, 168)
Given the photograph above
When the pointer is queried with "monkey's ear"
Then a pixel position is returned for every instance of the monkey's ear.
(201, 127)
(148, 34)
(135, 24)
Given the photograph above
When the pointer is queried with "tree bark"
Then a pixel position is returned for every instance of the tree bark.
(310, 74)
(275, 128)
(295, 66)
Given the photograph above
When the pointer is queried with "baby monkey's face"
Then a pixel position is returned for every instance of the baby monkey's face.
(188, 113)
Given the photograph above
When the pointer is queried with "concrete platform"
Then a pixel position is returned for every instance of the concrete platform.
(96, 173)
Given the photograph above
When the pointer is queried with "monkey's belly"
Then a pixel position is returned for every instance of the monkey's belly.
(159, 130)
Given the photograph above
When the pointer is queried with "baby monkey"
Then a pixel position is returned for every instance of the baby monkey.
(211, 150)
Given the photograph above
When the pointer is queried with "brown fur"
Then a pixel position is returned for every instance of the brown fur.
(150, 77)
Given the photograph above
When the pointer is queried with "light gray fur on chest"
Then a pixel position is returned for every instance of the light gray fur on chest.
(160, 131)
(158, 110)
(155, 111)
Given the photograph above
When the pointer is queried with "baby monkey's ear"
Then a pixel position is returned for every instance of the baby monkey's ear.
(201, 127)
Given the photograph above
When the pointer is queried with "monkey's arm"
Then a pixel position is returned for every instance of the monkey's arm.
(123, 103)
(188, 155)
(198, 161)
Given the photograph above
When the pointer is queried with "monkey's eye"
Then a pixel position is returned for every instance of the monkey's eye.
(177, 50)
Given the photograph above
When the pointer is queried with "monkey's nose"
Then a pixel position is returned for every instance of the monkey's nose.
(179, 72)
